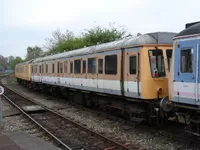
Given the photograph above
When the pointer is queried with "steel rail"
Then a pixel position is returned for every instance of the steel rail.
(56, 113)
(39, 125)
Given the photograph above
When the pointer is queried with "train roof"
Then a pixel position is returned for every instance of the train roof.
(26, 62)
(192, 30)
(149, 38)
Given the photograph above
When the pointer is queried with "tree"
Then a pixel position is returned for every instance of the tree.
(16, 61)
(33, 52)
(57, 40)
(97, 35)
(3, 63)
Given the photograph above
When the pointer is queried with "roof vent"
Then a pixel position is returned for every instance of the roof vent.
(191, 24)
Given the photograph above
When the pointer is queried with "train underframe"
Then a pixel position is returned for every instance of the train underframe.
(135, 110)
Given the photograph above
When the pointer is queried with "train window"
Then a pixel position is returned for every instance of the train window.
(77, 66)
(91, 65)
(58, 71)
(40, 69)
(52, 68)
(84, 66)
(71, 67)
(36, 68)
(60, 67)
(43, 68)
(157, 63)
(169, 56)
(65, 66)
(32, 69)
(47, 68)
(132, 64)
(186, 60)
(111, 64)
(100, 66)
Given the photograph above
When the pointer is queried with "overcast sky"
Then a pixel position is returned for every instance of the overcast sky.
(26, 23)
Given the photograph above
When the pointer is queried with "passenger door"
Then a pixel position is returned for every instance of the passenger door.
(132, 84)
(100, 73)
(186, 78)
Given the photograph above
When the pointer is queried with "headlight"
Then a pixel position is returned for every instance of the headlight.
(159, 90)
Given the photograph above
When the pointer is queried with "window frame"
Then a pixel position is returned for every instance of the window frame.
(102, 66)
(192, 51)
(136, 64)
(105, 71)
(150, 63)
(168, 59)
(53, 68)
(79, 70)
(92, 66)
(71, 67)
(84, 61)
(47, 67)
(65, 66)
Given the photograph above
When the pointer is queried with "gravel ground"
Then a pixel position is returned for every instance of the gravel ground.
(18, 123)
(109, 128)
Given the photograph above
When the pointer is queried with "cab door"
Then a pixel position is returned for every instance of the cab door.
(186, 78)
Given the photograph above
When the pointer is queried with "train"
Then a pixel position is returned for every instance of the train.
(153, 76)
(184, 78)
(128, 76)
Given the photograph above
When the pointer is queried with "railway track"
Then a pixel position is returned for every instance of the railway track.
(65, 133)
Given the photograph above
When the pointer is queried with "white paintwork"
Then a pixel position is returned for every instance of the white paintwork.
(187, 89)
(92, 83)
(1, 90)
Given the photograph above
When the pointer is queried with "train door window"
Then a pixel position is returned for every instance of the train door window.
(71, 67)
(32, 69)
(132, 64)
(77, 66)
(91, 65)
(157, 63)
(46, 68)
(52, 68)
(100, 66)
(111, 64)
(186, 60)
(84, 66)
(60, 67)
(65, 66)
(169, 56)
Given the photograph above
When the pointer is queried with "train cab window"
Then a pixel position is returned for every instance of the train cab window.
(84, 66)
(77, 66)
(65, 66)
(46, 68)
(157, 63)
(111, 64)
(169, 56)
(91, 65)
(186, 60)
(52, 68)
(71, 67)
(132, 64)
(100, 66)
